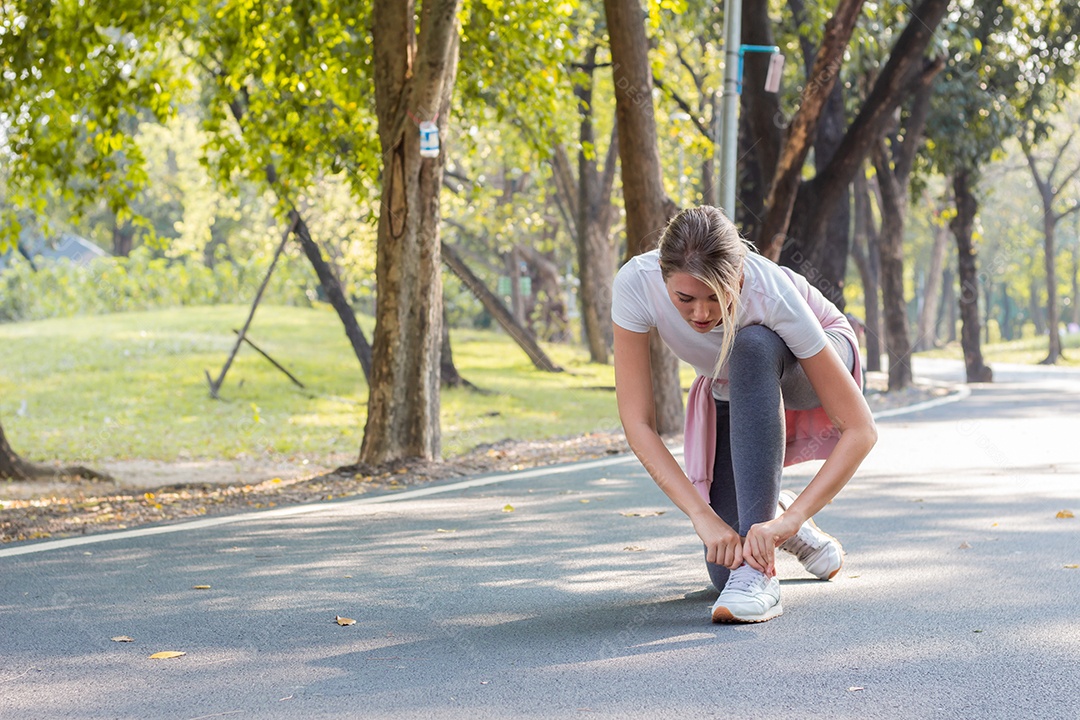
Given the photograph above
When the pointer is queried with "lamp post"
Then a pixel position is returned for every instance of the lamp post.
(729, 107)
(728, 131)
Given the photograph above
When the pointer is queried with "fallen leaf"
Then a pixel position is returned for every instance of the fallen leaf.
(854, 576)
(1072, 567)
(633, 548)
(343, 621)
(200, 587)
(583, 501)
(148, 496)
(123, 638)
(1064, 514)
(643, 514)
(993, 525)
(508, 508)
(965, 545)
(976, 631)
(167, 655)
(855, 688)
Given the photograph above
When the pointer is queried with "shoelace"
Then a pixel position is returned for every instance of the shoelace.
(745, 578)
(798, 545)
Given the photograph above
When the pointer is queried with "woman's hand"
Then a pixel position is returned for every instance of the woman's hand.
(723, 545)
(759, 550)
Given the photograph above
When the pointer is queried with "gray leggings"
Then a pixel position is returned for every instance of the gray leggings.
(764, 379)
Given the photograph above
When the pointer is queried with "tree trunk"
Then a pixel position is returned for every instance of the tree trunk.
(414, 80)
(13, 467)
(897, 343)
(893, 179)
(449, 376)
(961, 225)
(1035, 308)
(648, 208)
(803, 128)
(1049, 256)
(926, 335)
(596, 256)
(760, 123)
(1076, 275)
(335, 295)
(548, 291)
(123, 238)
(828, 261)
(868, 262)
(1006, 320)
(517, 302)
(1049, 191)
(947, 318)
(498, 310)
(590, 214)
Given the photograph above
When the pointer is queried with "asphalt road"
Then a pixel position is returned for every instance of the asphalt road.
(956, 599)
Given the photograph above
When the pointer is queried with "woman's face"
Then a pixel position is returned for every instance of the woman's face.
(695, 301)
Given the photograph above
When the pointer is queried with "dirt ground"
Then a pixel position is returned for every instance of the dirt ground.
(148, 491)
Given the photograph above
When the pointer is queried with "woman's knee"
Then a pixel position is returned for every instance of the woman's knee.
(758, 347)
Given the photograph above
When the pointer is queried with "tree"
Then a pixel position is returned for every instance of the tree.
(786, 176)
(926, 330)
(866, 253)
(75, 79)
(648, 208)
(520, 334)
(414, 74)
(807, 207)
(894, 168)
(13, 467)
(1051, 189)
(1008, 64)
(589, 212)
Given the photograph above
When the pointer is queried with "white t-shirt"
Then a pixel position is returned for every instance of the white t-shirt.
(769, 297)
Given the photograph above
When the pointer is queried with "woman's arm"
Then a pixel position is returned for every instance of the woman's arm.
(844, 402)
(634, 393)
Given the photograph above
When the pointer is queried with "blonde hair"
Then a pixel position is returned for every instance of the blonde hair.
(703, 243)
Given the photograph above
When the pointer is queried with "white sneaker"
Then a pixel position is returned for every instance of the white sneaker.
(748, 596)
(820, 553)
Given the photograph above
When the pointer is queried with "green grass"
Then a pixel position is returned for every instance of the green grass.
(131, 385)
(1029, 351)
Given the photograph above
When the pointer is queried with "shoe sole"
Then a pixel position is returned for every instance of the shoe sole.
(723, 615)
(814, 525)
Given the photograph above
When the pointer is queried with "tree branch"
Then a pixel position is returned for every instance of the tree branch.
(684, 106)
(565, 186)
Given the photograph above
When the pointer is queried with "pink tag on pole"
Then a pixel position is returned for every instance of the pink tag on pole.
(776, 71)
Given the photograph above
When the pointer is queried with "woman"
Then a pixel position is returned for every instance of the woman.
(778, 383)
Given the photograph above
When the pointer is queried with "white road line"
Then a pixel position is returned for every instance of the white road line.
(311, 507)
(963, 392)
